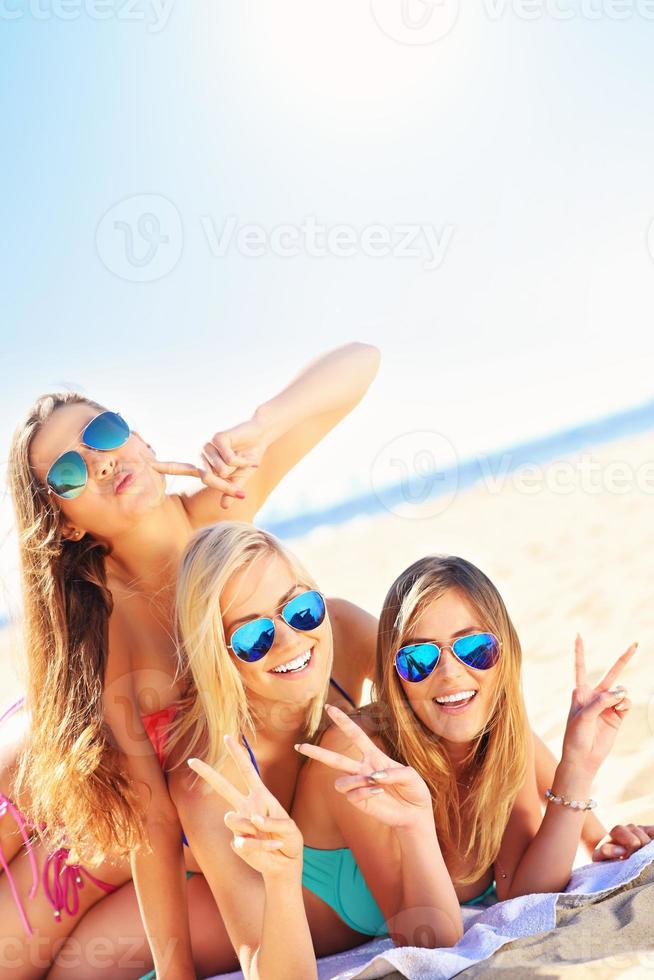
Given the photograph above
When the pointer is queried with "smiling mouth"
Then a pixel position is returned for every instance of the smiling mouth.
(296, 665)
(455, 702)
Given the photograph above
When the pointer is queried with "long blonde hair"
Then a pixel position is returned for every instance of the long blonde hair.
(215, 700)
(70, 771)
(497, 758)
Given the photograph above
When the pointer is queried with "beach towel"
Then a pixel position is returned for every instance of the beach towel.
(604, 915)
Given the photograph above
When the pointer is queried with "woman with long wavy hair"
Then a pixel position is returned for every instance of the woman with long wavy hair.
(99, 542)
(443, 760)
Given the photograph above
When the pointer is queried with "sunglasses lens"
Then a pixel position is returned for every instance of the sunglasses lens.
(481, 651)
(416, 662)
(67, 475)
(305, 612)
(106, 431)
(252, 641)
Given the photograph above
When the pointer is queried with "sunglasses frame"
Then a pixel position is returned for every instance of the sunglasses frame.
(447, 646)
(50, 489)
(272, 619)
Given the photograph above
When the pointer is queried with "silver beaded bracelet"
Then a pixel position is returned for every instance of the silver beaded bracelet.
(573, 804)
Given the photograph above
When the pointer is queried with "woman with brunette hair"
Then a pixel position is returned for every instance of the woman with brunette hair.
(99, 543)
(445, 755)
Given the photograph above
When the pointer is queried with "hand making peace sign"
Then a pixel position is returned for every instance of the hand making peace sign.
(596, 713)
(386, 790)
(264, 834)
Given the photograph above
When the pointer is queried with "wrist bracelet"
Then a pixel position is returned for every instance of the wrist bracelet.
(573, 804)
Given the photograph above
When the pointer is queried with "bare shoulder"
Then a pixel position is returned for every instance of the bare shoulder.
(335, 739)
(347, 616)
(355, 640)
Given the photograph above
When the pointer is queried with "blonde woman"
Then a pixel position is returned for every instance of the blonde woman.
(100, 542)
(448, 716)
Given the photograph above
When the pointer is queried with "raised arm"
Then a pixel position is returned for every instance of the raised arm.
(256, 454)
(250, 852)
(593, 831)
(542, 862)
(158, 870)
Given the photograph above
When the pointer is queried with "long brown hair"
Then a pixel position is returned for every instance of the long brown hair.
(497, 758)
(70, 771)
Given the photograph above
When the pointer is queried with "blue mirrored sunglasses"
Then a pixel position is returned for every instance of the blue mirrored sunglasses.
(417, 661)
(68, 475)
(253, 640)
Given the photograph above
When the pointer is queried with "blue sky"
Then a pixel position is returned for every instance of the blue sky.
(524, 147)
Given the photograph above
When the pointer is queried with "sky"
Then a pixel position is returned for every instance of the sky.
(200, 198)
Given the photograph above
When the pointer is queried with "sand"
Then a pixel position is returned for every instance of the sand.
(564, 562)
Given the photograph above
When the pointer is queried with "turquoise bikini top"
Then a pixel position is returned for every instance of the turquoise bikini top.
(335, 877)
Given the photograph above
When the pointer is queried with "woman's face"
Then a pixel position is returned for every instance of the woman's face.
(104, 508)
(460, 721)
(261, 590)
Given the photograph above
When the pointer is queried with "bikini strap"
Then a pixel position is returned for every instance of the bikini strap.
(341, 691)
(251, 753)
(66, 881)
(338, 688)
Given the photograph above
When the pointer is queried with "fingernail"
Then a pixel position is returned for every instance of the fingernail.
(257, 819)
(239, 841)
(379, 774)
(619, 691)
(240, 494)
(298, 746)
(619, 850)
(376, 789)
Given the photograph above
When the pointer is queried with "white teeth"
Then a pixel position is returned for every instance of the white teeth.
(452, 698)
(296, 664)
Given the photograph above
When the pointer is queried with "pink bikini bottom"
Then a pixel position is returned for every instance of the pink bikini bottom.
(61, 881)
